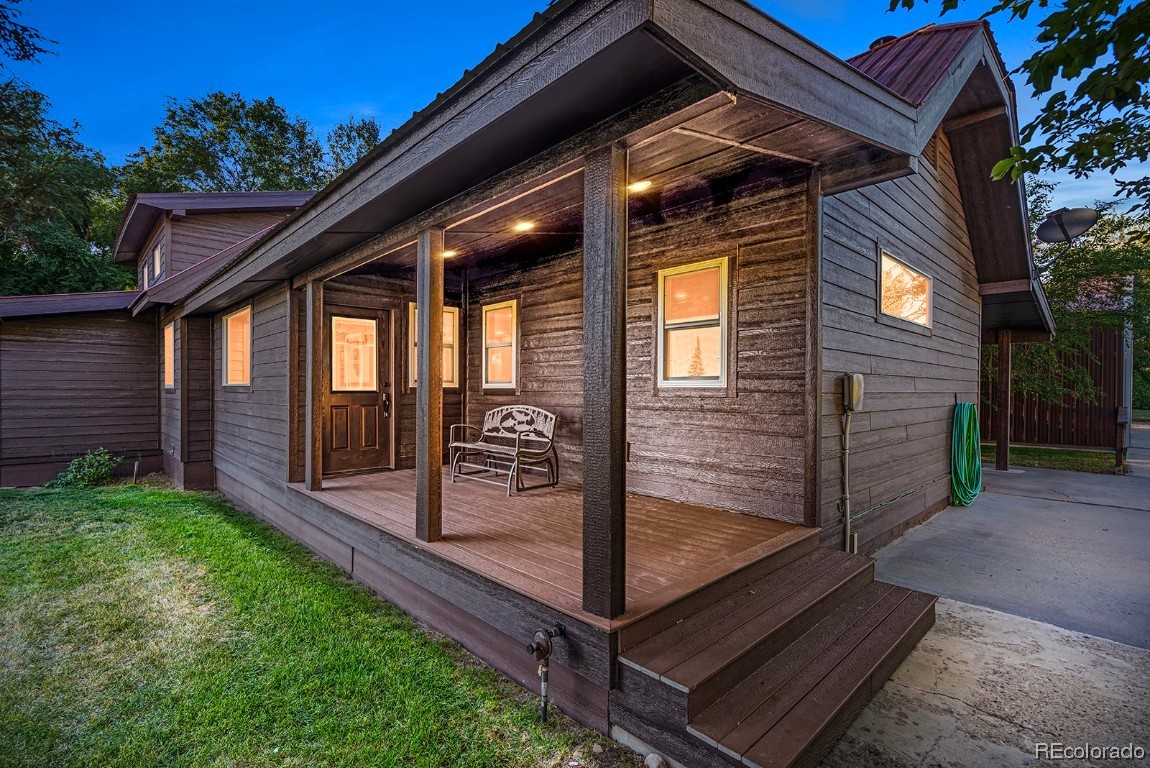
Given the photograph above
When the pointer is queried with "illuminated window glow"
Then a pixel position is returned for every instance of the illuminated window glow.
(500, 345)
(353, 354)
(450, 345)
(905, 292)
(692, 339)
(170, 356)
(156, 263)
(237, 348)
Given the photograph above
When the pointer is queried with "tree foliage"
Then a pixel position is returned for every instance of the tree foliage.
(18, 42)
(347, 142)
(1101, 281)
(1092, 69)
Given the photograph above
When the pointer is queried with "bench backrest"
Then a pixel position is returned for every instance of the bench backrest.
(510, 421)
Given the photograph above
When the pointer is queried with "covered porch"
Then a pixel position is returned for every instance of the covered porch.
(532, 544)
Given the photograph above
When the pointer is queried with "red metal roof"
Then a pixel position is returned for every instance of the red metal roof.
(912, 65)
(65, 303)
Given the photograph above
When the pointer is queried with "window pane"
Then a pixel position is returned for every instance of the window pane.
(905, 292)
(448, 329)
(499, 366)
(500, 325)
(693, 353)
(237, 352)
(691, 296)
(449, 366)
(353, 366)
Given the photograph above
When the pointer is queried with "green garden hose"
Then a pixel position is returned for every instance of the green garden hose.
(965, 456)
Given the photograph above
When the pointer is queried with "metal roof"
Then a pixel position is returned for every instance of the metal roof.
(65, 303)
(912, 65)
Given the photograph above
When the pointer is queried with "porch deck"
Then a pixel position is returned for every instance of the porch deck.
(532, 542)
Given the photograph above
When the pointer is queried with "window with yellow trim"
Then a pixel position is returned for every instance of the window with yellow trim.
(450, 345)
(692, 332)
(500, 345)
(170, 356)
(237, 348)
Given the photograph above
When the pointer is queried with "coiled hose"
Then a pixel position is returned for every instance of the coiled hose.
(965, 456)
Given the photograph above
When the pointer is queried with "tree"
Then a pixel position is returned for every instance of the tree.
(696, 366)
(18, 42)
(49, 187)
(224, 142)
(1093, 68)
(1101, 281)
(349, 141)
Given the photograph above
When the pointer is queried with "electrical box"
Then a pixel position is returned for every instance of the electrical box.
(852, 391)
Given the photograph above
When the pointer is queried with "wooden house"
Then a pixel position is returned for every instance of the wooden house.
(674, 225)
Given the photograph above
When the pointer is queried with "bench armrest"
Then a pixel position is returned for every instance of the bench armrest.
(520, 450)
(462, 430)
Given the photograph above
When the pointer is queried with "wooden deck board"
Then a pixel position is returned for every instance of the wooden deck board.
(532, 542)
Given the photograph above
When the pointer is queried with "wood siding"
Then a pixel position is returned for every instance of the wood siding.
(145, 265)
(900, 440)
(740, 448)
(1072, 422)
(195, 238)
(250, 423)
(72, 383)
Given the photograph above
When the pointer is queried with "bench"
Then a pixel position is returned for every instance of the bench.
(514, 439)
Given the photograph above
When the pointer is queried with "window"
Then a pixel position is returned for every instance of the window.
(170, 356)
(450, 345)
(904, 291)
(693, 325)
(500, 339)
(353, 360)
(156, 263)
(238, 348)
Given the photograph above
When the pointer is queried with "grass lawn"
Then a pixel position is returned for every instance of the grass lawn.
(1139, 414)
(1098, 462)
(141, 626)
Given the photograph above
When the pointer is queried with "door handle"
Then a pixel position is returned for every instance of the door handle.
(386, 404)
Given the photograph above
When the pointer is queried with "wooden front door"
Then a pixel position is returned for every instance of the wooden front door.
(357, 410)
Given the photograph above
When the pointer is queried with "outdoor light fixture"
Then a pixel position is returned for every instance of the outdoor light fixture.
(450, 254)
(524, 226)
(639, 186)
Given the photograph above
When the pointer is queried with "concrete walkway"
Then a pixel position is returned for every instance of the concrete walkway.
(1066, 548)
(983, 688)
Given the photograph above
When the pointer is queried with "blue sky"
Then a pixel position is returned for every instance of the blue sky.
(117, 60)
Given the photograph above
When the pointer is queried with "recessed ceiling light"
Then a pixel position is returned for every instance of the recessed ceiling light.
(639, 186)
(450, 254)
(524, 226)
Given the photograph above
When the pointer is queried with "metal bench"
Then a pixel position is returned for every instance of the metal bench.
(514, 439)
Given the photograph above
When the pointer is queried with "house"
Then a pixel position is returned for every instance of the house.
(675, 225)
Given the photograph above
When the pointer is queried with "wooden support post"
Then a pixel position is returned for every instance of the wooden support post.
(1002, 399)
(316, 371)
(604, 381)
(429, 386)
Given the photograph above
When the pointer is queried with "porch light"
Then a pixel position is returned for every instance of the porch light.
(450, 254)
(524, 226)
(639, 186)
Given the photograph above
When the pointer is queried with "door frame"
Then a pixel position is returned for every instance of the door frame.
(386, 345)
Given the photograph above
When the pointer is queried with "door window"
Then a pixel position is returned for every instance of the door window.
(353, 361)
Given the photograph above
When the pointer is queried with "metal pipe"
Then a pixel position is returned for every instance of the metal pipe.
(849, 544)
(541, 647)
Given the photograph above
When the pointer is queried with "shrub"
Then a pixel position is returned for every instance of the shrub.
(94, 468)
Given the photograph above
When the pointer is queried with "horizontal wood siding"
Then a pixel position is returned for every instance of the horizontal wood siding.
(741, 448)
(196, 351)
(161, 236)
(72, 383)
(900, 440)
(195, 238)
(250, 424)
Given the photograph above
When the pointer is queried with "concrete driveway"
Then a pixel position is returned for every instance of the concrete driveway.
(1066, 548)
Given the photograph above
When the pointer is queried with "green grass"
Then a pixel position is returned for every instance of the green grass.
(1098, 462)
(1140, 414)
(141, 626)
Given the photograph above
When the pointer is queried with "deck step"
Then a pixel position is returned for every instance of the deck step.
(797, 704)
(706, 654)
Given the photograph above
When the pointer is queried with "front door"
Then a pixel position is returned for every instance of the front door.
(357, 411)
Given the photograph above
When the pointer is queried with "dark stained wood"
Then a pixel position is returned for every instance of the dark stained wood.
(604, 381)
(296, 375)
(901, 438)
(429, 390)
(72, 383)
(1002, 402)
(65, 303)
(1070, 421)
(357, 429)
(196, 238)
(317, 369)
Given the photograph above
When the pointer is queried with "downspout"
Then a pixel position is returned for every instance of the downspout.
(852, 401)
